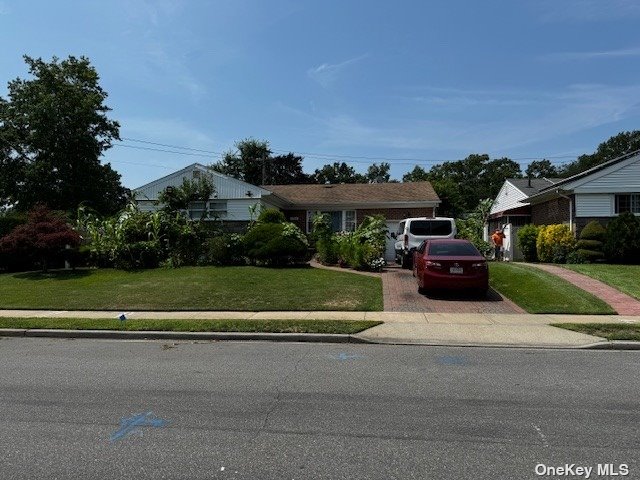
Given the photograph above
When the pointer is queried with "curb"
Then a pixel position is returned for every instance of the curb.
(613, 345)
(159, 335)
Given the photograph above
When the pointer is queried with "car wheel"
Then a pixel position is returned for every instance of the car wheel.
(422, 290)
(406, 262)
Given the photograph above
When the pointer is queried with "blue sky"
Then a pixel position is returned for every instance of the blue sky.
(345, 80)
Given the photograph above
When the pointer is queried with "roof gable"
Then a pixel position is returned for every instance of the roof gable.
(226, 187)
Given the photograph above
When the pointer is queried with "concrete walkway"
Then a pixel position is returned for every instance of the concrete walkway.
(521, 330)
(620, 302)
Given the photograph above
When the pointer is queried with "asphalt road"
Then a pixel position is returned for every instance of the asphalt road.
(310, 411)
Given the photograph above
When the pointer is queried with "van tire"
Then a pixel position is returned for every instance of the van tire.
(406, 262)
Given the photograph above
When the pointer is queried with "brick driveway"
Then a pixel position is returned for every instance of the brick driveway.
(400, 292)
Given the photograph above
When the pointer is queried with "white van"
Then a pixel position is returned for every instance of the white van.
(413, 231)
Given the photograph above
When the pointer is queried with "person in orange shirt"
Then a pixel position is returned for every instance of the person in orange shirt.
(497, 238)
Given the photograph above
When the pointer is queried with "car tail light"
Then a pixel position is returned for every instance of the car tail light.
(431, 264)
(406, 241)
(479, 265)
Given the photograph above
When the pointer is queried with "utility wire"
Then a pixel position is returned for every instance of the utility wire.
(396, 161)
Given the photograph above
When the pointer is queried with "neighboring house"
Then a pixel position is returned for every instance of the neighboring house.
(347, 204)
(510, 210)
(230, 203)
(510, 205)
(600, 193)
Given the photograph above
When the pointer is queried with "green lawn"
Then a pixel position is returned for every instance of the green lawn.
(625, 278)
(193, 288)
(537, 291)
(188, 325)
(610, 331)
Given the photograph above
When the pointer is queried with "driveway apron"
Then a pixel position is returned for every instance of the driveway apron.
(400, 291)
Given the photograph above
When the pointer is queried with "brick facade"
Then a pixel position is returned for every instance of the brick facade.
(299, 217)
(551, 212)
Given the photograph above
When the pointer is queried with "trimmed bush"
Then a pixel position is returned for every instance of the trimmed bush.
(593, 231)
(271, 215)
(554, 243)
(622, 240)
(527, 238)
(327, 251)
(276, 244)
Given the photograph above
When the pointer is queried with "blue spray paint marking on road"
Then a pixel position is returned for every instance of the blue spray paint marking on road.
(133, 424)
(452, 360)
(346, 356)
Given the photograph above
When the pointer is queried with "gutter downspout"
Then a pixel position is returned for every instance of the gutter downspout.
(570, 208)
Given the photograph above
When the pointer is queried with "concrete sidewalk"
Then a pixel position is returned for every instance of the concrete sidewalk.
(522, 330)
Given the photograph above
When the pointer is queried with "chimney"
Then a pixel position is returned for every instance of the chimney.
(529, 181)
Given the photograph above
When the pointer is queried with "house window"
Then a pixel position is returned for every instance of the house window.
(213, 208)
(350, 220)
(341, 220)
(629, 202)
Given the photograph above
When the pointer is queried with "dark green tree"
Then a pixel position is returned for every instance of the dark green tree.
(53, 130)
(541, 169)
(253, 162)
(616, 146)
(338, 173)
(418, 174)
(379, 173)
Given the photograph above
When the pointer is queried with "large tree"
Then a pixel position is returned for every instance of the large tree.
(338, 173)
(379, 173)
(616, 146)
(541, 169)
(53, 130)
(462, 184)
(253, 162)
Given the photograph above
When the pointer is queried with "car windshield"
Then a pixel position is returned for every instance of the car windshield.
(453, 250)
(430, 227)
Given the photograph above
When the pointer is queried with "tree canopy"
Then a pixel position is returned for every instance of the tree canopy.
(251, 156)
(616, 146)
(53, 130)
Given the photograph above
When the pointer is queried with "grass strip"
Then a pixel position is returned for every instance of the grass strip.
(610, 331)
(189, 325)
(537, 291)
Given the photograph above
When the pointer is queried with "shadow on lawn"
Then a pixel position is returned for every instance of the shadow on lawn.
(55, 274)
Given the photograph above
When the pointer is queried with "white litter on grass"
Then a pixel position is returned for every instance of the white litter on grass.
(222, 469)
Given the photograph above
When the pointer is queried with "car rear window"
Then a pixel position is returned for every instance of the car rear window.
(453, 250)
(430, 227)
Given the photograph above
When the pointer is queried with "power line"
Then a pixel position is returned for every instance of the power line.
(399, 161)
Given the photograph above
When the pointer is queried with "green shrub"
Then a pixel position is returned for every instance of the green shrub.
(593, 231)
(576, 257)
(327, 250)
(622, 239)
(271, 215)
(527, 237)
(589, 256)
(276, 244)
(145, 254)
(589, 245)
(226, 249)
(554, 243)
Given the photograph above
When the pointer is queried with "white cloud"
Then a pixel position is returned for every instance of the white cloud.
(552, 114)
(619, 53)
(165, 130)
(327, 74)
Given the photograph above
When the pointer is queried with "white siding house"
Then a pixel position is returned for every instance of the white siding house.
(231, 201)
(600, 193)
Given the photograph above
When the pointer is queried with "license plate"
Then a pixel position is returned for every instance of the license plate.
(456, 270)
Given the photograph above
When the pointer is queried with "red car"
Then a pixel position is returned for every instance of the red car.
(450, 264)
